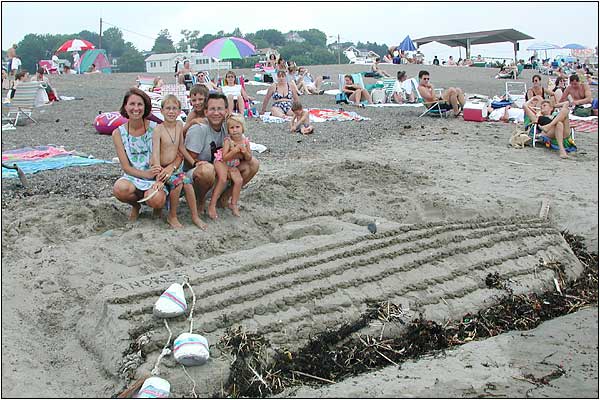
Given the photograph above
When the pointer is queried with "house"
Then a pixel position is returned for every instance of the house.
(165, 62)
(294, 37)
(360, 56)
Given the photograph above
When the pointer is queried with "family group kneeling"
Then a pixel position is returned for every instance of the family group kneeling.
(159, 161)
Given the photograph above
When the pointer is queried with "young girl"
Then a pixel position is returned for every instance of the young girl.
(166, 143)
(236, 147)
(235, 93)
(301, 120)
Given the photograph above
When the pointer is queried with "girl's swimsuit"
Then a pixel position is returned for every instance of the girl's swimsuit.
(231, 163)
(139, 151)
(285, 106)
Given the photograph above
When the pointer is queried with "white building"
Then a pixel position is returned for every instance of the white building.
(165, 62)
(360, 56)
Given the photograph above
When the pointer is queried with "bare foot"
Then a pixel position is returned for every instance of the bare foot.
(564, 155)
(212, 212)
(234, 209)
(135, 212)
(174, 222)
(199, 223)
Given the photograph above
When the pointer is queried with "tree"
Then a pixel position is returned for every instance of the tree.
(379, 49)
(237, 33)
(163, 43)
(189, 38)
(113, 42)
(271, 36)
(131, 60)
(314, 37)
(87, 35)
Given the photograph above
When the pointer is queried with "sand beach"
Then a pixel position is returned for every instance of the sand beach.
(452, 202)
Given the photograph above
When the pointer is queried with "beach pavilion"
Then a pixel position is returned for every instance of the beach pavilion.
(471, 38)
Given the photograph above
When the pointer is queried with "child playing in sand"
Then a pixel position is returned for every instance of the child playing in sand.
(198, 95)
(301, 120)
(236, 147)
(167, 141)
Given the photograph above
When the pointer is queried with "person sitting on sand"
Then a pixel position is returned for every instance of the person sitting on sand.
(68, 71)
(42, 78)
(21, 77)
(300, 122)
(236, 94)
(378, 71)
(167, 142)
(551, 127)
(133, 144)
(403, 89)
(538, 90)
(236, 148)
(451, 62)
(306, 84)
(355, 92)
(271, 61)
(435, 61)
(92, 70)
(451, 99)
(283, 93)
(198, 96)
(580, 93)
(202, 141)
(559, 87)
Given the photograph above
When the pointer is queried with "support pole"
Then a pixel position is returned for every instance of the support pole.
(338, 46)
(516, 47)
(100, 41)
(468, 53)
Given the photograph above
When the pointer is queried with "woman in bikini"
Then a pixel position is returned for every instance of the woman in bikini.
(538, 90)
(283, 94)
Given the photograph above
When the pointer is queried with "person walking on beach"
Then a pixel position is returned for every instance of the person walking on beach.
(451, 99)
(202, 142)
(133, 144)
(167, 142)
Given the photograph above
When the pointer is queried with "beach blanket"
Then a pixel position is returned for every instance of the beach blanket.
(322, 115)
(255, 83)
(395, 105)
(584, 124)
(41, 158)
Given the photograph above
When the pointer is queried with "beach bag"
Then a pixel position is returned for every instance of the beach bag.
(378, 96)
(267, 78)
(581, 111)
(341, 98)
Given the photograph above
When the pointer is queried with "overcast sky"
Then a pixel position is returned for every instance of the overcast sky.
(558, 23)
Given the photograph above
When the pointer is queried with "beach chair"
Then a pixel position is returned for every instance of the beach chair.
(434, 109)
(516, 91)
(358, 78)
(23, 101)
(145, 83)
(537, 137)
(388, 88)
(179, 91)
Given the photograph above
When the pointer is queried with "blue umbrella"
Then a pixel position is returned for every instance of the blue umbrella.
(407, 44)
(574, 46)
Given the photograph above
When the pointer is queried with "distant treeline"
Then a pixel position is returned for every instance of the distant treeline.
(304, 47)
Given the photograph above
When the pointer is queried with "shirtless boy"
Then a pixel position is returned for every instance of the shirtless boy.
(198, 95)
(167, 142)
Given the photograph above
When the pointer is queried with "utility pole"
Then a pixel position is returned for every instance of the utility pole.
(338, 46)
(100, 43)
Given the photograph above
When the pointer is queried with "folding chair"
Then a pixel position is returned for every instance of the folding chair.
(388, 88)
(435, 108)
(179, 91)
(23, 101)
(516, 91)
(535, 137)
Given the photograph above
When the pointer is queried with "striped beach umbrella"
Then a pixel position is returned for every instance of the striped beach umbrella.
(75, 45)
(229, 48)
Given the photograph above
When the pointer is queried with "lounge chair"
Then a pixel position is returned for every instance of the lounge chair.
(23, 101)
(516, 92)
(358, 78)
(434, 109)
(179, 91)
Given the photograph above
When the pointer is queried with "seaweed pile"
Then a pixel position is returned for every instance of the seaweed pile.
(258, 370)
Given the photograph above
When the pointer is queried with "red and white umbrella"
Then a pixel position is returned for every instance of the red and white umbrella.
(75, 45)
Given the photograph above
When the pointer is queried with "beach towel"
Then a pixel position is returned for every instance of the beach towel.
(274, 120)
(584, 124)
(568, 143)
(395, 105)
(322, 115)
(41, 158)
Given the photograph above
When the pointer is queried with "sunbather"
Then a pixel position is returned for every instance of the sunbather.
(559, 87)
(376, 70)
(451, 99)
(40, 77)
(580, 93)
(306, 84)
(355, 92)
(236, 94)
(551, 127)
(538, 90)
(403, 89)
(283, 93)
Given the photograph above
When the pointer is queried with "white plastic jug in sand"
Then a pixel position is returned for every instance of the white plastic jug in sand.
(154, 388)
(171, 303)
(191, 349)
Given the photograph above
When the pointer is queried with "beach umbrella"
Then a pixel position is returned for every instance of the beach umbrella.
(574, 46)
(542, 46)
(229, 48)
(407, 44)
(75, 45)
